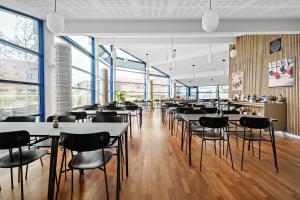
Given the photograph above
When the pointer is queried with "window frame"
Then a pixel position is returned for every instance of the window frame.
(39, 54)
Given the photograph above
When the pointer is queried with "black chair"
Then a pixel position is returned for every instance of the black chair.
(20, 119)
(228, 112)
(90, 107)
(218, 126)
(133, 112)
(211, 110)
(107, 118)
(179, 110)
(62, 118)
(113, 113)
(89, 156)
(193, 111)
(80, 115)
(17, 139)
(261, 123)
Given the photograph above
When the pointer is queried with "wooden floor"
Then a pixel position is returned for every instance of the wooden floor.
(159, 170)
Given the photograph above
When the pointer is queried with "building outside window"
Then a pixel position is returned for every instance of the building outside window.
(20, 60)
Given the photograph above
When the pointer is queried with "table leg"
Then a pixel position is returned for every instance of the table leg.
(126, 151)
(52, 168)
(182, 125)
(274, 148)
(190, 143)
(141, 117)
(130, 125)
(118, 185)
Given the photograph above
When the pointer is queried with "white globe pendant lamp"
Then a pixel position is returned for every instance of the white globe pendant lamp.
(210, 20)
(55, 21)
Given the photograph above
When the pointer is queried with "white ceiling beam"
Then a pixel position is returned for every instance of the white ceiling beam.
(226, 27)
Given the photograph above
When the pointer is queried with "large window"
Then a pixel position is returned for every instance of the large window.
(130, 82)
(81, 69)
(180, 91)
(20, 61)
(160, 87)
(214, 92)
(207, 92)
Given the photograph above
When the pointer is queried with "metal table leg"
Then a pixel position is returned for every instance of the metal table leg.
(52, 170)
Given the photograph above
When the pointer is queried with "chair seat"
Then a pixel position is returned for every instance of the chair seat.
(90, 160)
(28, 156)
(209, 135)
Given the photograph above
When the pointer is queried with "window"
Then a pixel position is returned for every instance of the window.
(223, 91)
(81, 69)
(122, 54)
(181, 91)
(20, 61)
(207, 92)
(194, 93)
(130, 82)
(160, 87)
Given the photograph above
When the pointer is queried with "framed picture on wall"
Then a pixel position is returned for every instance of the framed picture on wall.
(281, 72)
(237, 81)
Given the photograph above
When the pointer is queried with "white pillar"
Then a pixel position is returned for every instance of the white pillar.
(97, 78)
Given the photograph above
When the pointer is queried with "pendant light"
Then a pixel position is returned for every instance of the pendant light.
(233, 51)
(170, 69)
(210, 55)
(173, 53)
(114, 53)
(210, 19)
(55, 21)
(224, 66)
(194, 74)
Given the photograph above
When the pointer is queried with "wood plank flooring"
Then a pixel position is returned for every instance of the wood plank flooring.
(160, 170)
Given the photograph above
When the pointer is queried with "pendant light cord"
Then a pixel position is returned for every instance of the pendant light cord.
(55, 5)
(209, 4)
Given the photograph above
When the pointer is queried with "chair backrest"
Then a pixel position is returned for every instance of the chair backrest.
(78, 114)
(198, 111)
(213, 122)
(255, 122)
(20, 119)
(111, 113)
(14, 139)
(84, 142)
(107, 118)
(90, 107)
(132, 107)
(129, 103)
(68, 118)
(210, 110)
(231, 112)
(198, 106)
(171, 104)
(182, 110)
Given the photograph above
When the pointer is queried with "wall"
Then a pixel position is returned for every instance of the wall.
(253, 57)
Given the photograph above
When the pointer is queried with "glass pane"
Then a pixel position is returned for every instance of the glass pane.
(207, 95)
(160, 95)
(81, 60)
(127, 76)
(130, 65)
(17, 65)
(20, 30)
(224, 95)
(155, 72)
(81, 79)
(122, 54)
(224, 88)
(160, 88)
(130, 87)
(104, 55)
(18, 99)
(159, 80)
(80, 97)
(59, 40)
(194, 93)
(83, 41)
(208, 89)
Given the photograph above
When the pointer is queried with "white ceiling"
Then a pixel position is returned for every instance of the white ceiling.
(160, 9)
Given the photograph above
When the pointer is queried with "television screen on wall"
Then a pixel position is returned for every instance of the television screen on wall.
(281, 72)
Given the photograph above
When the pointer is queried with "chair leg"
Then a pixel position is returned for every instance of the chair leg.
(242, 155)
(65, 161)
(26, 172)
(41, 161)
(201, 155)
(22, 187)
(105, 176)
(220, 149)
(72, 177)
(215, 147)
(19, 175)
(11, 178)
(259, 146)
(228, 145)
(60, 172)
(252, 149)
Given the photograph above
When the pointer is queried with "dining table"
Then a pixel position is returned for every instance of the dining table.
(44, 130)
(192, 118)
